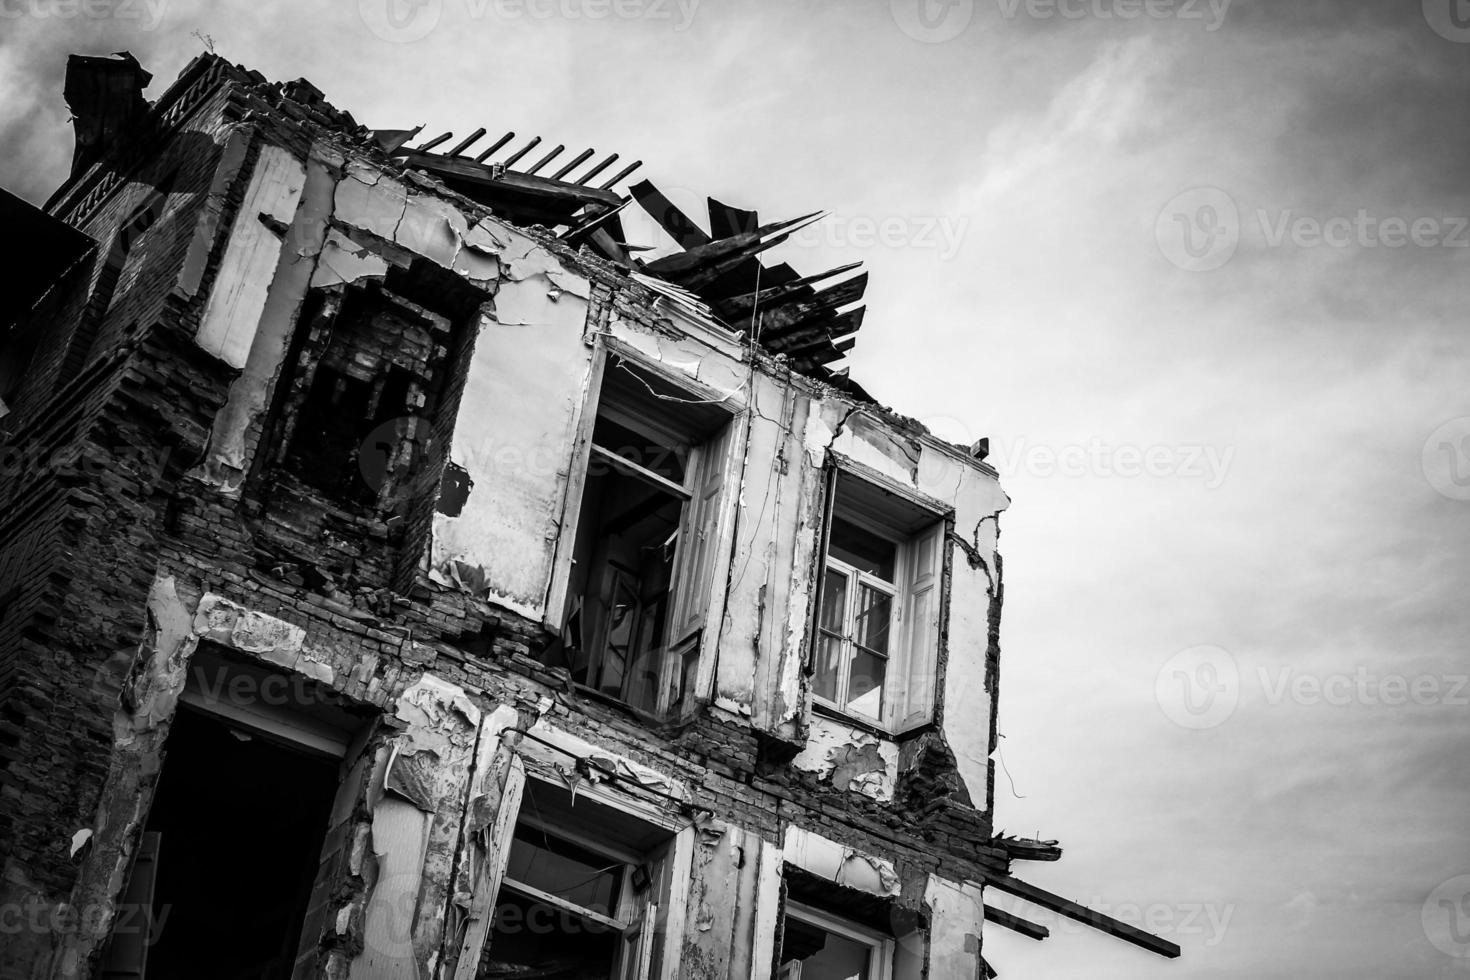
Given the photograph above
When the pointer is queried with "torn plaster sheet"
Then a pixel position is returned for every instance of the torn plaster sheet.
(867, 441)
(344, 261)
(368, 199)
(432, 228)
(478, 259)
(838, 863)
(155, 691)
(569, 748)
(853, 760)
(523, 258)
(538, 301)
(434, 704)
(237, 300)
(400, 841)
(272, 640)
(722, 372)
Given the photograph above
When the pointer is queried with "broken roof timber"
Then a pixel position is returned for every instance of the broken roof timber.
(1016, 924)
(555, 197)
(1083, 914)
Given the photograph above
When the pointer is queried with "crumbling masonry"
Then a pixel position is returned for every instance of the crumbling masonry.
(400, 578)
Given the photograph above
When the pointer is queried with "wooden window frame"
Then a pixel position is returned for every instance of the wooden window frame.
(900, 661)
(881, 947)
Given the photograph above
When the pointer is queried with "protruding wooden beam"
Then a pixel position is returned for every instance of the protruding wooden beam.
(464, 144)
(1081, 913)
(612, 158)
(621, 174)
(480, 157)
(546, 159)
(1016, 924)
(576, 162)
(441, 138)
(508, 161)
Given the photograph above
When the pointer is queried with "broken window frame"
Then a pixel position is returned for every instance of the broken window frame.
(881, 948)
(651, 922)
(687, 645)
(918, 526)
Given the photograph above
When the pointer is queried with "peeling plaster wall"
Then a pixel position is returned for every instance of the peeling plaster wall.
(527, 382)
(969, 701)
(725, 904)
(262, 326)
(238, 298)
(759, 668)
(841, 865)
(850, 758)
(418, 797)
(957, 913)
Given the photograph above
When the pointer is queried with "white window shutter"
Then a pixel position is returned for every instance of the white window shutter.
(921, 605)
(698, 536)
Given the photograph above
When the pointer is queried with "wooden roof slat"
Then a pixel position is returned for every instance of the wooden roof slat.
(546, 159)
(576, 162)
(464, 144)
(510, 160)
(480, 157)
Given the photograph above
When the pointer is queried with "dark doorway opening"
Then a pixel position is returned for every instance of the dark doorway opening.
(240, 821)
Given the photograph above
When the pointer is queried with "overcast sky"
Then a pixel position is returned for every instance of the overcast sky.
(1198, 273)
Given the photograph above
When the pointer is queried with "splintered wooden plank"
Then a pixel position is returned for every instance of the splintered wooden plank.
(788, 315)
(738, 307)
(813, 332)
(725, 221)
(702, 257)
(678, 224)
(1081, 913)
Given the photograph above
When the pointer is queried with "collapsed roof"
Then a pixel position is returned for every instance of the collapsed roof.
(813, 320)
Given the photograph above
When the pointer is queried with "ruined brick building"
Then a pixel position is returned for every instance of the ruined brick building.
(399, 577)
